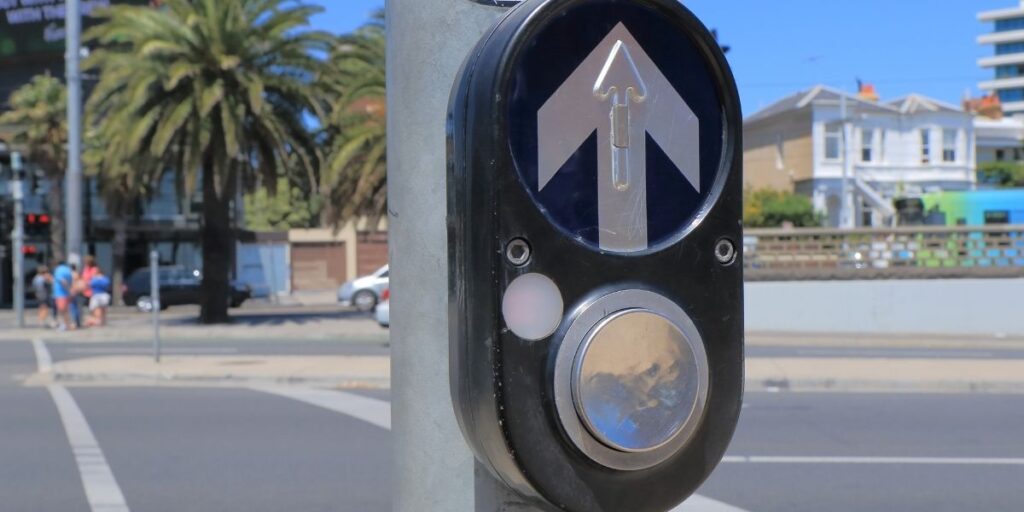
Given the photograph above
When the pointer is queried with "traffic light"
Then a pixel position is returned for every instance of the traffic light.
(37, 225)
(594, 219)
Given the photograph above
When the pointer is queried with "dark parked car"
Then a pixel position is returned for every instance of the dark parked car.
(177, 286)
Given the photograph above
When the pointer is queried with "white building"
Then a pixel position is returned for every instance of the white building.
(824, 142)
(1007, 63)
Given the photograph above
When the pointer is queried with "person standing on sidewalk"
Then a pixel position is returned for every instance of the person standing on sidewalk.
(41, 284)
(99, 300)
(83, 298)
(63, 278)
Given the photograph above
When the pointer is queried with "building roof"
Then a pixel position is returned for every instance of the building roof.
(817, 94)
(821, 94)
(915, 103)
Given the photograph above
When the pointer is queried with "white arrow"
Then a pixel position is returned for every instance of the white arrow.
(620, 92)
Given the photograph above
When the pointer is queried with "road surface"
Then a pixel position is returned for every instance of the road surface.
(170, 449)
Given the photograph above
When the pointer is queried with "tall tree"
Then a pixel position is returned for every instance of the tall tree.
(123, 185)
(353, 176)
(38, 114)
(217, 90)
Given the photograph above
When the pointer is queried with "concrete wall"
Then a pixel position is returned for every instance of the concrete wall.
(957, 306)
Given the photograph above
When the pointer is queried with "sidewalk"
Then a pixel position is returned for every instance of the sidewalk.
(320, 371)
(762, 374)
(258, 321)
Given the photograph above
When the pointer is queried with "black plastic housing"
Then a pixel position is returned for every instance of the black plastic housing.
(501, 384)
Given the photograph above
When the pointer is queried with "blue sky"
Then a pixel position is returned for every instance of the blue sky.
(782, 46)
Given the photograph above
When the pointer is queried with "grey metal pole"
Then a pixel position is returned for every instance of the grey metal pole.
(154, 296)
(427, 42)
(73, 178)
(18, 237)
(846, 219)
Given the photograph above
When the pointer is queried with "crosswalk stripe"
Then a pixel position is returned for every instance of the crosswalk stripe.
(101, 489)
(955, 461)
(378, 412)
(373, 411)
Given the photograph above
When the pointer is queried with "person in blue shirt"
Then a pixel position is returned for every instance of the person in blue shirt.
(63, 279)
(99, 299)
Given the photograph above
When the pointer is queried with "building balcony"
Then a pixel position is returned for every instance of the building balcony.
(1001, 60)
(1013, 106)
(1010, 36)
(1001, 14)
(1002, 83)
(909, 174)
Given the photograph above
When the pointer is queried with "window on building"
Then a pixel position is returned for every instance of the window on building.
(833, 141)
(926, 146)
(1009, 48)
(1000, 155)
(867, 145)
(949, 145)
(1009, 24)
(1011, 95)
(1016, 154)
(1010, 71)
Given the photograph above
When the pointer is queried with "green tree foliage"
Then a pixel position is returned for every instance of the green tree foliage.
(768, 208)
(215, 89)
(38, 116)
(288, 208)
(1001, 174)
(353, 177)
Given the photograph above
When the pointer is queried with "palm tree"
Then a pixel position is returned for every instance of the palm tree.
(123, 185)
(215, 89)
(39, 117)
(353, 177)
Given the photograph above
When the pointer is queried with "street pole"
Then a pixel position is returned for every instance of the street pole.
(427, 42)
(73, 180)
(846, 206)
(18, 237)
(154, 298)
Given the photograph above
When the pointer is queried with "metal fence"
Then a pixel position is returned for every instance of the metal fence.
(887, 253)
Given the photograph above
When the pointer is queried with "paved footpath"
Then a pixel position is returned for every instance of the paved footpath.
(356, 355)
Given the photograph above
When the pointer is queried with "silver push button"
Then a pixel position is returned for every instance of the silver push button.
(635, 381)
(631, 379)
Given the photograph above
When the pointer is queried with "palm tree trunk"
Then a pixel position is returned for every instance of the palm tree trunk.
(118, 249)
(55, 206)
(217, 239)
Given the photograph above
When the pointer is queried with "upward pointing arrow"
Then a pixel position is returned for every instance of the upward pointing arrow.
(620, 92)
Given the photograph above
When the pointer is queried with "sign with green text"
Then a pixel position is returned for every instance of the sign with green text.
(31, 28)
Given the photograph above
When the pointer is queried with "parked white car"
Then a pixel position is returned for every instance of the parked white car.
(364, 292)
(383, 310)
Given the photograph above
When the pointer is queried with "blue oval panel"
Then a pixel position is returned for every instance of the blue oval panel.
(616, 126)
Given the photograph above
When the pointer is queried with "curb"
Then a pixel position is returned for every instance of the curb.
(341, 382)
(883, 386)
(145, 379)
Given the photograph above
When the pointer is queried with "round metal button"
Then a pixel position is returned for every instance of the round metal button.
(635, 381)
(631, 379)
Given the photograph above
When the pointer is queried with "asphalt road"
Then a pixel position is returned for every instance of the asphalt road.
(249, 450)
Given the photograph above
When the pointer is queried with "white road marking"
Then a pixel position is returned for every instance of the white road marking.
(378, 412)
(43, 360)
(101, 489)
(958, 461)
(698, 503)
(373, 411)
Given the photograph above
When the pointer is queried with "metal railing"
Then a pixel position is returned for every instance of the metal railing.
(886, 253)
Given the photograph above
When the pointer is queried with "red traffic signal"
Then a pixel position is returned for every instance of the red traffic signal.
(29, 250)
